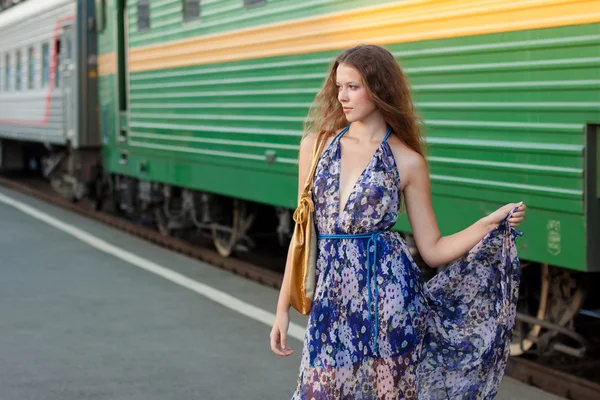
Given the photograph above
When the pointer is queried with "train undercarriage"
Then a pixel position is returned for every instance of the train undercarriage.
(73, 173)
(172, 210)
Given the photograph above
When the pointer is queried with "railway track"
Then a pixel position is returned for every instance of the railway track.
(552, 381)
(532, 373)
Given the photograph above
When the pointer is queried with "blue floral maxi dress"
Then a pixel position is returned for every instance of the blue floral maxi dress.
(376, 329)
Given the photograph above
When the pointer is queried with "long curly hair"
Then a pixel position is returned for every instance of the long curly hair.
(387, 87)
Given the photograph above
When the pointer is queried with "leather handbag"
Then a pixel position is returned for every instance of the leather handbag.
(304, 242)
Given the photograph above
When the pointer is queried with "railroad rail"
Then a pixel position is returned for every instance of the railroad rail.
(552, 381)
(534, 374)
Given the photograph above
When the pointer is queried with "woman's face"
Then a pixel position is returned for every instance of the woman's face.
(352, 94)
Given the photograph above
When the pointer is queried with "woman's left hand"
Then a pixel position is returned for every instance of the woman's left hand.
(515, 219)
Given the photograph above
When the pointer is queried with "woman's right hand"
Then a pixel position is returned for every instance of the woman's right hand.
(279, 334)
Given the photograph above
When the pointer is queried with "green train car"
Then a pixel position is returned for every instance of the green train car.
(201, 105)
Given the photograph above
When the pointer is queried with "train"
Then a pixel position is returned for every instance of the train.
(190, 112)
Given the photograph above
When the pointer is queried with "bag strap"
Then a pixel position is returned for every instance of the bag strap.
(317, 150)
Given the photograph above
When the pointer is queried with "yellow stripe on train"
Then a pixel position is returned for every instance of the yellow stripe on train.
(406, 21)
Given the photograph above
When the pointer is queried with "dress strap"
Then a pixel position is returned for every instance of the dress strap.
(343, 131)
(387, 134)
(339, 135)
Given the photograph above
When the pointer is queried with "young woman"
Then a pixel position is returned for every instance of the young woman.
(376, 330)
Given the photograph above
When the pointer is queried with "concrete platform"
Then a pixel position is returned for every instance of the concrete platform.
(81, 320)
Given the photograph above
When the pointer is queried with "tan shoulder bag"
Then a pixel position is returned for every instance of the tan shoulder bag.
(304, 242)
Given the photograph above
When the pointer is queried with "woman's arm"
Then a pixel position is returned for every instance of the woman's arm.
(304, 160)
(435, 249)
(278, 336)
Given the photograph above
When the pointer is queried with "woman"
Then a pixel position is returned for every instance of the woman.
(376, 330)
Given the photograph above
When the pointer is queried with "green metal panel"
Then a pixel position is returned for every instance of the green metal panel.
(106, 38)
(504, 116)
(167, 24)
(108, 114)
(238, 179)
(592, 196)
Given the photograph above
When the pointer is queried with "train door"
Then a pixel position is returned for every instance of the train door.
(68, 80)
(122, 70)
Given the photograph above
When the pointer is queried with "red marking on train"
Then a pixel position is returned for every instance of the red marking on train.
(53, 64)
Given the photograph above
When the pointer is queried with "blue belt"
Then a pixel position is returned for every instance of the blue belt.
(371, 249)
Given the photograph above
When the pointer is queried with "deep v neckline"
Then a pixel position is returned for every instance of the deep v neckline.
(342, 210)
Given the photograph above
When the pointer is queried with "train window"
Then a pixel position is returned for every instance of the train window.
(143, 10)
(191, 10)
(68, 46)
(31, 68)
(45, 64)
(100, 15)
(56, 62)
(19, 71)
(252, 3)
(6, 72)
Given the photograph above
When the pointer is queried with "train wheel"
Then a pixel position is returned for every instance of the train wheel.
(558, 297)
(170, 216)
(97, 194)
(533, 300)
(567, 295)
(225, 233)
(230, 233)
(115, 195)
(162, 222)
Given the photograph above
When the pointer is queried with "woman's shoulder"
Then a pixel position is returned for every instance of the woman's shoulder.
(308, 141)
(408, 161)
(307, 144)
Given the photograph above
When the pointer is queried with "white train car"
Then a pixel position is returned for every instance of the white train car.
(48, 91)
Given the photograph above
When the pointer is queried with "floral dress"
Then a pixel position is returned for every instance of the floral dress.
(378, 331)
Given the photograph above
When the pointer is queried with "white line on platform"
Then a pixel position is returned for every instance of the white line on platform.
(225, 299)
